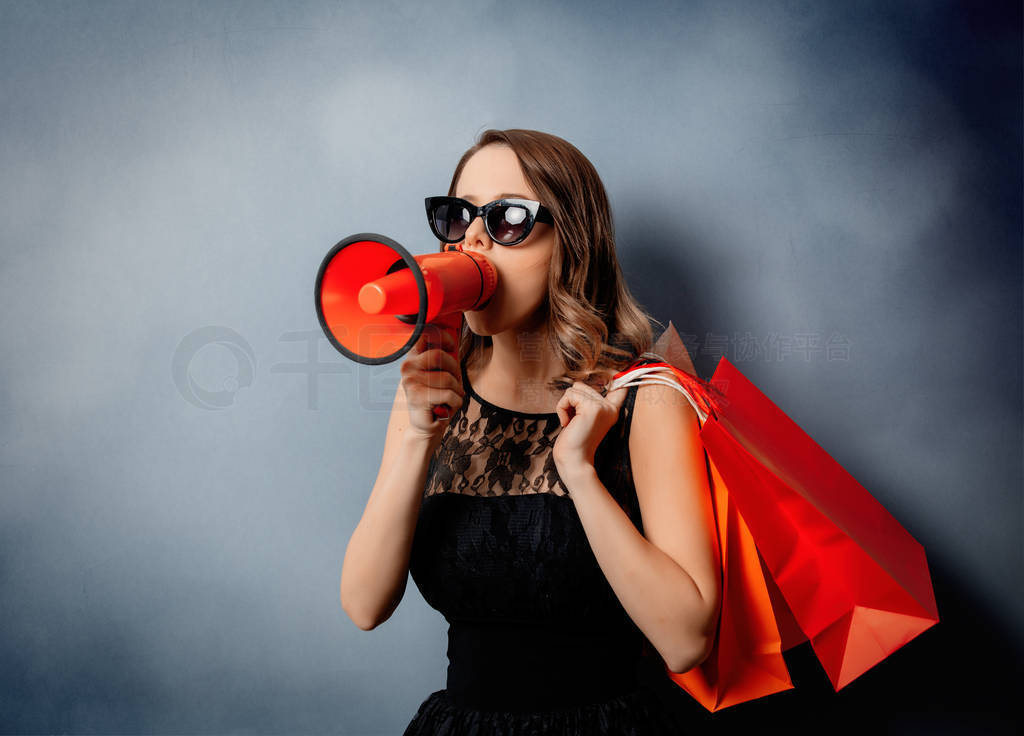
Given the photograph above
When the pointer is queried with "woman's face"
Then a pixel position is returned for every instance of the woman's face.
(493, 173)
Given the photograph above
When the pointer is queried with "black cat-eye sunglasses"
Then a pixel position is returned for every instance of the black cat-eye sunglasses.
(508, 221)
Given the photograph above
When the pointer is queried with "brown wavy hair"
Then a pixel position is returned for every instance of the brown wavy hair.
(593, 321)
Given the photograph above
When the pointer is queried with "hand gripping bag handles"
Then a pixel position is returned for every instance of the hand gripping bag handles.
(807, 552)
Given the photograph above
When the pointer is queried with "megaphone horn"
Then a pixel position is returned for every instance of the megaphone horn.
(373, 299)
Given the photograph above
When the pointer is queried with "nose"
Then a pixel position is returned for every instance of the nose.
(476, 234)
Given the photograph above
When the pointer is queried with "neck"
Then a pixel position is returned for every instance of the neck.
(522, 359)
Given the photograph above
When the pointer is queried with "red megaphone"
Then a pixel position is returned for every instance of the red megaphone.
(373, 299)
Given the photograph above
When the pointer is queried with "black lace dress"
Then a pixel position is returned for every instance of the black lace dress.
(538, 643)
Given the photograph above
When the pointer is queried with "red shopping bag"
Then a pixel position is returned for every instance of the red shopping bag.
(807, 552)
(746, 660)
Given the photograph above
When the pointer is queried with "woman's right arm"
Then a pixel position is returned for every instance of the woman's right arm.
(376, 566)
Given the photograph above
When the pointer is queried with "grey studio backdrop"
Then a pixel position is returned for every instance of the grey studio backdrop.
(825, 193)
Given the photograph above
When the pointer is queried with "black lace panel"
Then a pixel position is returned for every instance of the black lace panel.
(489, 452)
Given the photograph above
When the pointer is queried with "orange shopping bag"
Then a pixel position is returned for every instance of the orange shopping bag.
(807, 552)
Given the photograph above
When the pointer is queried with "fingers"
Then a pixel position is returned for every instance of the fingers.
(583, 391)
(436, 349)
(436, 369)
(560, 408)
(576, 395)
(436, 337)
(433, 360)
(431, 373)
(617, 397)
(437, 396)
(435, 389)
(432, 377)
(573, 397)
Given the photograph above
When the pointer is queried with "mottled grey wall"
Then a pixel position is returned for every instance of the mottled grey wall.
(178, 487)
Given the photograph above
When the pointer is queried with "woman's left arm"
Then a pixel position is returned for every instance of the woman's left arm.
(667, 579)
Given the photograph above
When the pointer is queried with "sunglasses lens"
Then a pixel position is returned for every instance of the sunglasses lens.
(451, 220)
(508, 223)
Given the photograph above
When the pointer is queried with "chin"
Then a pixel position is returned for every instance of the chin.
(473, 322)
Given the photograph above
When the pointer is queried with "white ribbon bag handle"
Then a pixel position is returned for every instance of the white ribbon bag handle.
(647, 374)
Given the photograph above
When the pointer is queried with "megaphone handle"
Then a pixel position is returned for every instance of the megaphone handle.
(451, 324)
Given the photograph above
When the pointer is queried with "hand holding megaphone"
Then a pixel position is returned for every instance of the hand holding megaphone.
(375, 301)
(432, 381)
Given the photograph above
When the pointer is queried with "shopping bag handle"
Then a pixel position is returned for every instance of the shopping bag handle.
(648, 374)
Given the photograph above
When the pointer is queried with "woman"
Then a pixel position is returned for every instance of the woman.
(562, 531)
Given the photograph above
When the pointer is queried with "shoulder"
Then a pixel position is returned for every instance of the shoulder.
(654, 398)
(662, 414)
